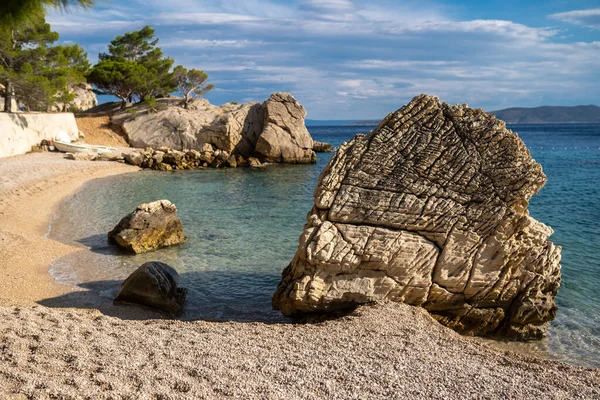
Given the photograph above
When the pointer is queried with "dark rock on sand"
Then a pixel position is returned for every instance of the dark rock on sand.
(149, 227)
(154, 285)
(430, 209)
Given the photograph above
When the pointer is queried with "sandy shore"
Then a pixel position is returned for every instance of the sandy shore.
(31, 187)
(386, 351)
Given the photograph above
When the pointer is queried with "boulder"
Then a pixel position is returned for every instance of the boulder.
(149, 227)
(84, 98)
(81, 156)
(134, 158)
(154, 285)
(284, 137)
(254, 162)
(430, 209)
(273, 131)
(322, 147)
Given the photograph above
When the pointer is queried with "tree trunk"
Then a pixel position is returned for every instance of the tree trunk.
(123, 104)
(8, 96)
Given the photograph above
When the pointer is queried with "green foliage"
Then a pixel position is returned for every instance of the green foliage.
(17, 13)
(191, 83)
(139, 47)
(37, 72)
(153, 105)
(132, 46)
(119, 78)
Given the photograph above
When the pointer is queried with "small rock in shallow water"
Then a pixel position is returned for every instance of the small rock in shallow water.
(154, 285)
(149, 227)
(322, 147)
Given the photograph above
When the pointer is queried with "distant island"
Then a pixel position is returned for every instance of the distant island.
(538, 115)
(550, 115)
(365, 122)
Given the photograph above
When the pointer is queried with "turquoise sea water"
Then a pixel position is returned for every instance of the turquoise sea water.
(243, 227)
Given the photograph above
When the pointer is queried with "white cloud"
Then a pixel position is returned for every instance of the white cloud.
(354, 59)
(587, 18)
(215, 43)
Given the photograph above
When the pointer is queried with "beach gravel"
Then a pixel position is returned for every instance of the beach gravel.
(383, 351)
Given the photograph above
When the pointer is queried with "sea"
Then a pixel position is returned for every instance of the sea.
(243, 227)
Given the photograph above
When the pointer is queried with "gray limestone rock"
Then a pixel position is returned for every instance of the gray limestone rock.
(430, 209)
(273, 131)
(284, 137)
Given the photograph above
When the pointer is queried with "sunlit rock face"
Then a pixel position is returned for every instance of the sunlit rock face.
(430, 209)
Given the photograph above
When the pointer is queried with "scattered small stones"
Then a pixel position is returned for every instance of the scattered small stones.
(165, 159)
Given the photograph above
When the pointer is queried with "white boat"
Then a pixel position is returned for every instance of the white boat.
(82, 148)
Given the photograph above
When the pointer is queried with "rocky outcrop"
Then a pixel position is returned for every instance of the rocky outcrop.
(84, 98)
(321, 147)
(149, 227)
(430, 209)
(284, 137)
(154, 285)
(273, 131)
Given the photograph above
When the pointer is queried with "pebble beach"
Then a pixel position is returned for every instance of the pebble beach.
(380, 351)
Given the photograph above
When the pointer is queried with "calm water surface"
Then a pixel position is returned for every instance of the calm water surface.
(243, 227)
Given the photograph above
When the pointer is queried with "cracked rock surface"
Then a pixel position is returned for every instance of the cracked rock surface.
(149, 227)
(430, 209)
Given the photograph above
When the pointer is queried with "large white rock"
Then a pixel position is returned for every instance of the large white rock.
(430, 209)
(20, 131)
(273, 131)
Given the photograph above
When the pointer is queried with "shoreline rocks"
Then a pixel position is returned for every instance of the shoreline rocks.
(430, 209)
(153, 284)
(273, 131)
(149, 227)
(169, 160)
(321, 147)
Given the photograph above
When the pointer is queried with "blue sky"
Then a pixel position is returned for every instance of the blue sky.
(351, 59)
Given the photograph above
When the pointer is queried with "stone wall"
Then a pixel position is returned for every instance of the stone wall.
(20, 131)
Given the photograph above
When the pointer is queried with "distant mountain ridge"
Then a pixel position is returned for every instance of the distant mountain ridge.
(536, 115)
(365, 122)
(550, 115)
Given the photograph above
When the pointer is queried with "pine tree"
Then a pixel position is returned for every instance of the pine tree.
(191, 83)
(37, 73)
(134, 51)
(118, 78)
(14, 13)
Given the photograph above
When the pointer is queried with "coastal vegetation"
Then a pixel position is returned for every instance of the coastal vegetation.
(134, 68)
(15, 13)
(38, 74)
(191, 83)
(35, 70)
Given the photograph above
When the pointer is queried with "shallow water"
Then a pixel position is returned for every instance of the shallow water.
(243, 227)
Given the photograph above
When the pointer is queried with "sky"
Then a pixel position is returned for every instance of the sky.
(355, 59)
